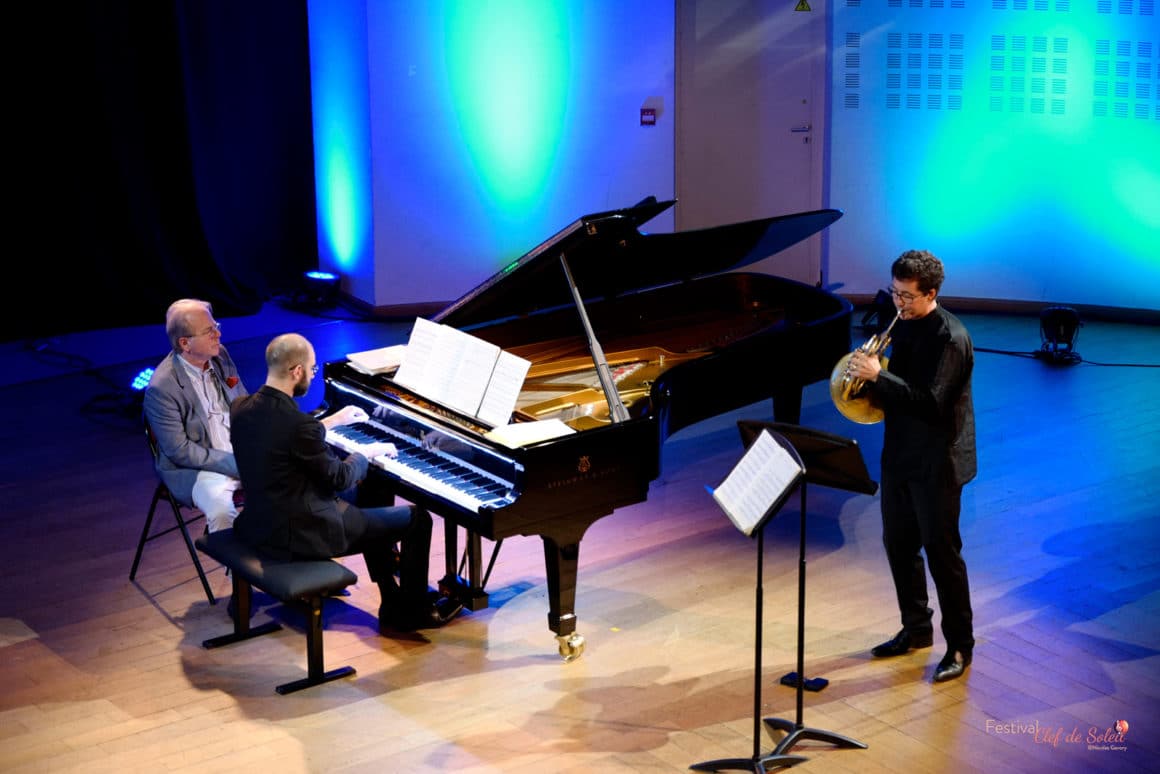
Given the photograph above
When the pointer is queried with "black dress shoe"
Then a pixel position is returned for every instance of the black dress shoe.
(427, 616)
(952, 666)
(902, 643)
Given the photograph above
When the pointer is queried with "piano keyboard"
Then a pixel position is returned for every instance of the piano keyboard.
(427, 469)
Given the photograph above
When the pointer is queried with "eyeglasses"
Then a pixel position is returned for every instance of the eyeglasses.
(903, 296)
(313, 368)
(215, 328)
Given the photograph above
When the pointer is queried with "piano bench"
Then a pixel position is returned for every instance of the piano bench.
(303, 583)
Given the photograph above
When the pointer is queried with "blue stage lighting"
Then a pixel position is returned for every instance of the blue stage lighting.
(141, 380)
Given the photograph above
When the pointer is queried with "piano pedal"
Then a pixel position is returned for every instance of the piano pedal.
(456, 587)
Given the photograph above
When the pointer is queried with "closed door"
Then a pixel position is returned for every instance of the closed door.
(750, 118)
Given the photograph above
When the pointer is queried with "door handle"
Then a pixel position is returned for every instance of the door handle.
(803, 128)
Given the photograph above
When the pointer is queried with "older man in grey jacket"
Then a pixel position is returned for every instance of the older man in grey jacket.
(187, 405)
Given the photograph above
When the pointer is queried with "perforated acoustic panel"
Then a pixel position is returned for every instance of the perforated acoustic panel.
(1029, 74)
(1017, 139)
(1127, 79)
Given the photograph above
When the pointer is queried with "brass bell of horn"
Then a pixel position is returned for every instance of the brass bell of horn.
(849, 392)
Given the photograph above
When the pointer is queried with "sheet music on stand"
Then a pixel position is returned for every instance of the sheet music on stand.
(750, 495)
(760, 480)
(462, 371)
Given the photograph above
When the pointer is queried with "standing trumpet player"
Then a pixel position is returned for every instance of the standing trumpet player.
(928, 454)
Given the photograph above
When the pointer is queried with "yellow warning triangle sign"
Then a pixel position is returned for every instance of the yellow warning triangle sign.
(803, 5)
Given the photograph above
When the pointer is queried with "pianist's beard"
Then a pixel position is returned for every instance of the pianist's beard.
(301, 386)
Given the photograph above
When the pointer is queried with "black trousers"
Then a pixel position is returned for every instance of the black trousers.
(373, 532)
(921, 516)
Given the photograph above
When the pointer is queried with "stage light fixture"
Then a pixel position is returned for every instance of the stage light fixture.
(1058, 329)
(141, 380)
(320, 288)
(313, 291)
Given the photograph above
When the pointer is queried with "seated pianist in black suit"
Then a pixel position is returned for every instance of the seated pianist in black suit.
(293, 481)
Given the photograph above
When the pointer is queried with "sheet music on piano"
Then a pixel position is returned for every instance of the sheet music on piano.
(462, 371)
(377, 361)
(503, 389)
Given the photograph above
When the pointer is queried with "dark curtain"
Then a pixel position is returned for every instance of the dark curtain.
(163, 151)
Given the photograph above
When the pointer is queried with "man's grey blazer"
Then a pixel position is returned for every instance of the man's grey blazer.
(181, 426)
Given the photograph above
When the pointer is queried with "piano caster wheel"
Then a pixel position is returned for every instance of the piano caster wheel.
(571, 646)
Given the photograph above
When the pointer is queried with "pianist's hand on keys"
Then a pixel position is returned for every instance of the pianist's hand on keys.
(349, 415)
(373, 450)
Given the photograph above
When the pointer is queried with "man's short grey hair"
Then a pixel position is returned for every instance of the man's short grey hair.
(177, 319)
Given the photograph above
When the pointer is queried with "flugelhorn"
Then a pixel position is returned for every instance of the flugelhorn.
(848, 391)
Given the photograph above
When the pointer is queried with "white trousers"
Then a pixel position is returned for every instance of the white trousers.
(213, 494)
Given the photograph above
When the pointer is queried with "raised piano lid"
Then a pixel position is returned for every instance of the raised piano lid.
(609, 256)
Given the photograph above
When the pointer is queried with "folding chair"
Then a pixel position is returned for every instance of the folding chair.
(162, 493)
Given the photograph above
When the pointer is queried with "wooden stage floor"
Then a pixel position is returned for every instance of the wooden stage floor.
(1062, 541)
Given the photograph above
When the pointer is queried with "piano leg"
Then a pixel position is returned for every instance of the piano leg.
(560, 563)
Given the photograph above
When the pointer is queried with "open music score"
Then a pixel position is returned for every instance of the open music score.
(462, 372)
(763, 477)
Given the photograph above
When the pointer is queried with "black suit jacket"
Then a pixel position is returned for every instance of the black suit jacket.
(292, 478)
(926, 396)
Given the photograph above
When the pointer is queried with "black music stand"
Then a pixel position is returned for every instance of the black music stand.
(834, 461)
(758, 763)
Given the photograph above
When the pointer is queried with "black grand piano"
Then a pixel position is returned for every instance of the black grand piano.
(631, 337)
